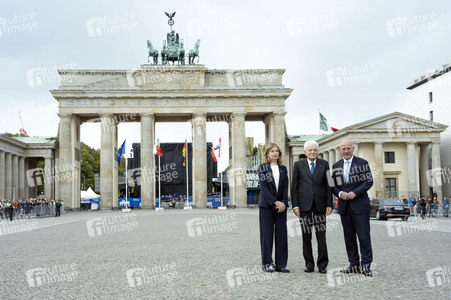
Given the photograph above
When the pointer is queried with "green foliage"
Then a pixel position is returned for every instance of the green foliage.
(12, 134)
(90, 165)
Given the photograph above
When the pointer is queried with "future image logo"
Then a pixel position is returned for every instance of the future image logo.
(111, 24)
(311, 24)
(51, 275)
(239, 276)
(111, 224)
(211, 225)
(438, 276)
(45, 75)
(149, 275)
(350, 75)
(410, 25)
(18, 23)
(438, 176)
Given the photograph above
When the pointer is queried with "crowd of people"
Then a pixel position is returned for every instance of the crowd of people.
(427, 206)
(30, 208)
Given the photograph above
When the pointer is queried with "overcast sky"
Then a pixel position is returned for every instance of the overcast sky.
(319, 43)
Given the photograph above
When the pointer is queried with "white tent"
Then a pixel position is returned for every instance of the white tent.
(89, 194)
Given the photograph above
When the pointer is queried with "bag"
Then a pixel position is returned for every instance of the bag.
(446, 206)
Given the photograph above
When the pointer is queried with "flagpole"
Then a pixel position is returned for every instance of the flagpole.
(220, 162)
(187, 176)
(319, 115)
(126, 183)
(159, 182)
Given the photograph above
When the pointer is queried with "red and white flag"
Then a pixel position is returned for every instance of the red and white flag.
(217, 147)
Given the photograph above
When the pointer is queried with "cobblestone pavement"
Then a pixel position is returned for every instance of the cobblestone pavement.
(207, 254)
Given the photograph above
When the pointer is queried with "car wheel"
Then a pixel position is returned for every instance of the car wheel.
(405, 218)
(378, 215)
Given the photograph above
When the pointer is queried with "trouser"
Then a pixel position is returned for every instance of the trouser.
(316, 220)
(357, 225)
(273, 225)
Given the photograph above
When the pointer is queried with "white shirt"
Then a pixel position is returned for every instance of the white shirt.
(276, 175)
(345, 167)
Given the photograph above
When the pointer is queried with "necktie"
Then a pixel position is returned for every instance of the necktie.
(347, 172)
(312, 168)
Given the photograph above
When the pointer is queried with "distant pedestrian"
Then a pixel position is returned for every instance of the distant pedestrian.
(423, 204)
(446, 207)
(58, 209)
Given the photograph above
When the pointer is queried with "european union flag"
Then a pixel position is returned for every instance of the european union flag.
(119, 153)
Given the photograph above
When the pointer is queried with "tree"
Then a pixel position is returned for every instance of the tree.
(90, 165)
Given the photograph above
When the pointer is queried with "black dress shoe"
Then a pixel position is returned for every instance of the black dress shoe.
(282, 270)
(268, 268)
(366, 271)
(353, 269)
(323, 271)
(309, 270)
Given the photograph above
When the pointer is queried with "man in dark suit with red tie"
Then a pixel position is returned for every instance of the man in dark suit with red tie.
(312, 201)
(351, 179)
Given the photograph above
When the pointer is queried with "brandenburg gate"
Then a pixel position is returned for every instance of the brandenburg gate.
(170, 93)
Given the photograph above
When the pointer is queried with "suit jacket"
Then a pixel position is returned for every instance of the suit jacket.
(360, 181)
(268, 194)
(307, 188)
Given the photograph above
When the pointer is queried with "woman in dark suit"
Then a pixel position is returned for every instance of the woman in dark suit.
(273, 203)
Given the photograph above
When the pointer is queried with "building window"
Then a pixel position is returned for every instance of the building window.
(390, 157)
(430, 97)
(390, 187)
(431, 116)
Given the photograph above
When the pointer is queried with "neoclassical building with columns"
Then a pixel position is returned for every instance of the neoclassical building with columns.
(19, 176)
(402, 150)
(169, 93)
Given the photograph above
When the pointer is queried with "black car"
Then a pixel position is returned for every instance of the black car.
(383, 209)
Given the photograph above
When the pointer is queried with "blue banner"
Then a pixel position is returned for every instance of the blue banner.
(132, 202)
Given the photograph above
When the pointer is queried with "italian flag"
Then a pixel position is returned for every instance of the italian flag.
(157, 149)
(324, 125)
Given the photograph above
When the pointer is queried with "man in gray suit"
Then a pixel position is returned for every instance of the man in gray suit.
(312, 202)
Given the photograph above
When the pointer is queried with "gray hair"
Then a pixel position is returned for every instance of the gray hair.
(309, 143)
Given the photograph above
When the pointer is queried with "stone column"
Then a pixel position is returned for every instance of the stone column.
(27, 186)
(15, 175)
(338, 155)
(412, 171)
(320, 155)
(2, 175)
(424, 167)
(326, 158)
(332, 159)
(279, 130)
(435, 153)
(269, 129)
(147, 160)
(8, 176)
(75, 166)
(57, 183)
(48, 178)
(378, 171)
(199, 173)
(21, 187)
(238, 172)
(356, 149)
(65, 159)
(115, 170)
(106, 161)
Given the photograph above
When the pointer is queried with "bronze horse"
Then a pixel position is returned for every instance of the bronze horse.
(152, 53)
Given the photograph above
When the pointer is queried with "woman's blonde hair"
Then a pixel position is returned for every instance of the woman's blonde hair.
(265, 156)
